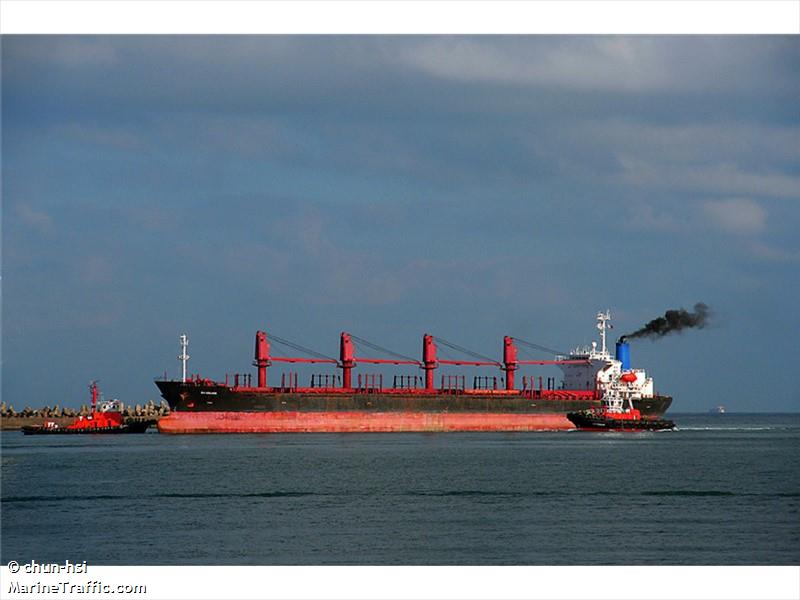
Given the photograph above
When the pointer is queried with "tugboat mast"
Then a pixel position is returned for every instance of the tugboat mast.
(183, 357)
(94, 392)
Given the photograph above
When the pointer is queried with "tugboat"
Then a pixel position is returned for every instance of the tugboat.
(107, 418)
(607, 419)
(618, 385)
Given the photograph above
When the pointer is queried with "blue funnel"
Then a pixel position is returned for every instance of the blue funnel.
(624, 355)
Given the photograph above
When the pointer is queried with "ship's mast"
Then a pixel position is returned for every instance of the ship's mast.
(603, 319)
(183, 357)
(94, 391)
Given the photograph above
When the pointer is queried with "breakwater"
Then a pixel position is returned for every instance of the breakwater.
(11, 419)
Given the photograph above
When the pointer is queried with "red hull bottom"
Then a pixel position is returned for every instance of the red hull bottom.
(340, 422)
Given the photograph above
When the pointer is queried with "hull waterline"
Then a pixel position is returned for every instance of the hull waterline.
(137, 427)
(355, 421)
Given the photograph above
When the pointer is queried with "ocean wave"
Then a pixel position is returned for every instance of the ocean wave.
(688, 493)
(198, 495)
(476, 493)
(432, 494)
(766, 428)
(22, 499)
(239, 495)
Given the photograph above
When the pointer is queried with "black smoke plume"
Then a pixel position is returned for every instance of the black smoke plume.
(673, 320)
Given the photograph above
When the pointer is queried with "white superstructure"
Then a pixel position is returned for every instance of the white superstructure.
(605, 372)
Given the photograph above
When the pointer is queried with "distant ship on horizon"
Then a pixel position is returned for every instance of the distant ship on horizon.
(718, 410)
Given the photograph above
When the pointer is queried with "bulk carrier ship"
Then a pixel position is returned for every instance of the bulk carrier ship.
(336, 403)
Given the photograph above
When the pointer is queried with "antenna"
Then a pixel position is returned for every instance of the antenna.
(183, 357)
(603, 319)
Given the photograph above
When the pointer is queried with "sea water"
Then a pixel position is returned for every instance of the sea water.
(722, 489)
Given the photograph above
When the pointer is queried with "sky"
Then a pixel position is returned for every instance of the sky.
(468, 187)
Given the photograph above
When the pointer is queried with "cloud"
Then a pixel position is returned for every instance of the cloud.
(35, 219)
(717, 178)
(95, 269)
(519, 62)
(644, 216)
(737, 215)
(609, 63)
(79, 52)
(73, 52)
(338, 273)
(115, 137)
(533, 107)
(769, 253)
(725, 140)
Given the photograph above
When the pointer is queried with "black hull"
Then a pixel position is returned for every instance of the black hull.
(192, 397)
(139, 427)
(595, 422)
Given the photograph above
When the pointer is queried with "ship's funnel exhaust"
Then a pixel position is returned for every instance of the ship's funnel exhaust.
(673, 320)
(624, 354)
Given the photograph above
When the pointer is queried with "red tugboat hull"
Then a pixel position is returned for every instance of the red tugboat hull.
(357, 421)
(135, 427)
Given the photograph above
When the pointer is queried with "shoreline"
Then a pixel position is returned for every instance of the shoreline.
(11, 420)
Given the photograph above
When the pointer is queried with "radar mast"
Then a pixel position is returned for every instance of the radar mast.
(183, 357)
(603, 323)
